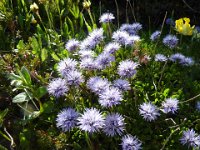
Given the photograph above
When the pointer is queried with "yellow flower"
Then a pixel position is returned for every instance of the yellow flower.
(86, 4)
(34, 7)
(183, 26)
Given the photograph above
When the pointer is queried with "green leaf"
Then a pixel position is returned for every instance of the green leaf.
(20, 45)
(55, 57)
(2, 147)
(35, 46)
(71, 25)
(166, 92)
(20, 98)
(26, 74)
(41, 91)
(2, 115)
(44, 54)
(13, 76)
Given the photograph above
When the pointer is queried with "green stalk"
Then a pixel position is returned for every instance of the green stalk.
(89, 142)
(91, 18)
(5, 136)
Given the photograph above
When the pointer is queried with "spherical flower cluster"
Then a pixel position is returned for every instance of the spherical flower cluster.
(94, 38)
(137, 27)
(187, 61)
(66, 65)
(114, 124)
(127, 68)
(132, 39)
(170, 105)
(87, 44)
(110, 97)
(67, 119)
(130, 142)
(111, 48)
(106, 17)
(191, 138)
(155, 35)
(96, 35)
(104, 60)
(91, 120)
(98, 85)
(121, 37)
(72, 45)
(74, 77)
(88, 64)
(160, 57)
(198, 106)
(128, 28)
(122, 85)
(181, 59)
(86, 53)
(171, 41)
(170, 21)
(57, 87)
(149, 111)
(132, 29)
(176, 57)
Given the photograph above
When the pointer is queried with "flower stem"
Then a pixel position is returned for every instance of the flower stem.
(191, 99)
(88, 141)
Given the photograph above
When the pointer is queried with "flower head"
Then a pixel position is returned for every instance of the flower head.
(187, 61)
(127, 68)
(72, 45)
(98, 85)
(183, 26)
(104, 60)
(128, 28)
(120, 37)
(106, 17)
(160, 57)
(132, 29)
(130, 142)
(96, 35)
(86, 4)
(132, 39)
(170, 105)
(170, 21)
(57, 87)
(111, 48)
(155, 35)
(171, 41)
(88, 64)
(122, 85)
(91, 120)
(176, 57)
(67, 119)
(74, 77)
(110, 97)
(191, 138)
(66, 65)
(34, 7)
(149, 111)
(87, 44)
(198, 29)
(137, 26)
(198, 106)
(114, 124)
(86, 53)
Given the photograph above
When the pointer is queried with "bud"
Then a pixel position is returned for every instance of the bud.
(42, 1)
(33, 21)
(34, 7)
(86, 4)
